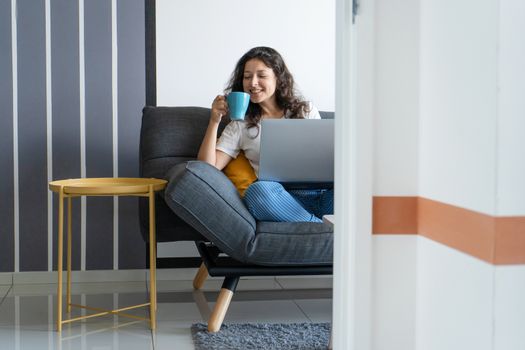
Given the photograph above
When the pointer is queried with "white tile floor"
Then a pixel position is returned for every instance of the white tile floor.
(27, 312)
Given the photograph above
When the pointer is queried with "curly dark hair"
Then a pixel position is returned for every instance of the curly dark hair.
(286, 96)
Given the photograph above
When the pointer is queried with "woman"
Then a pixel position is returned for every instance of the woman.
(262, 73)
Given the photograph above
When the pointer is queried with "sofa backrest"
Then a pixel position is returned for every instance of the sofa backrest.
(170, 135)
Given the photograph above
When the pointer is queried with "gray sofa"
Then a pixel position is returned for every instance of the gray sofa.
(201, 204)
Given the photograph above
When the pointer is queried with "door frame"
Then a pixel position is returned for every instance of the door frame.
(354, 116)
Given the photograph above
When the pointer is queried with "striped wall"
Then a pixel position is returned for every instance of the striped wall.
(72, 87)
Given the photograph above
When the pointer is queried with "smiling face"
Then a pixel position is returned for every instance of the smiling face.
(259, 81)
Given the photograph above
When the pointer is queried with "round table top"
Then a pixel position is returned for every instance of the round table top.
(109, 186)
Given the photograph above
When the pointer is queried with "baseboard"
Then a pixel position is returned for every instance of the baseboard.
(45, 277)
(94, 276)
(6, 278)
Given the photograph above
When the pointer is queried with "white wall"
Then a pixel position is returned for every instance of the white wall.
(394, 292)
(396, 98)
(199, 42)
(454, 299)
(511, 112)
(458, 102)
(509, 309)
(472, 118)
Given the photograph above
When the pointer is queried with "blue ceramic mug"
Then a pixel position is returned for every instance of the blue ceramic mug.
(238, 104)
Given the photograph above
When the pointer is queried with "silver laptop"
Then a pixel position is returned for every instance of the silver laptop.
(297, 151)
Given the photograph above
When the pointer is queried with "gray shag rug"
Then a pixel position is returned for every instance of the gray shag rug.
(266, 336)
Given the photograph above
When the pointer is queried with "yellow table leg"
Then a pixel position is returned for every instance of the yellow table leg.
(152, 260)
(69, 225)
(59, 254)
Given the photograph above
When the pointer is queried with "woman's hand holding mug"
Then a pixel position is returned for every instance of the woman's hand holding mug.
(219, 108)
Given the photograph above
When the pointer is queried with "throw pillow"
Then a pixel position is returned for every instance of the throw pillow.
(240, 172)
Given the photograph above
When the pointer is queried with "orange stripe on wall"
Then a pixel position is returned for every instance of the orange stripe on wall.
(510, 241)
(465, 230)
(393, 215)
(497, 240)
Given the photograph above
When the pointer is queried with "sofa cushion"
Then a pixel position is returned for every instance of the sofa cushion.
(207, 200)
(292, 243)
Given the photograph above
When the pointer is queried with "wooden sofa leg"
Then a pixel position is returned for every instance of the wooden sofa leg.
(200, 277)
(219, 311)
(222, 304)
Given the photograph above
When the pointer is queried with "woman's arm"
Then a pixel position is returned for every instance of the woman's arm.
(208, 152)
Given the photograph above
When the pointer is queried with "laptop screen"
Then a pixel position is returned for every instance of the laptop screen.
(297, 151)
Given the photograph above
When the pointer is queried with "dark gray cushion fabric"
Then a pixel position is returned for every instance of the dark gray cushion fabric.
(326, 115)
(205, 198)
(292, 243)
(169, 227)
(170, 135)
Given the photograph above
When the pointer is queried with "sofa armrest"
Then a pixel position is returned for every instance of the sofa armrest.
(208, 201)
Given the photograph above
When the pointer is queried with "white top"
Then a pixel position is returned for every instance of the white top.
(236, 137)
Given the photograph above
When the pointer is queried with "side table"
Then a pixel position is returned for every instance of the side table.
(71, 188)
